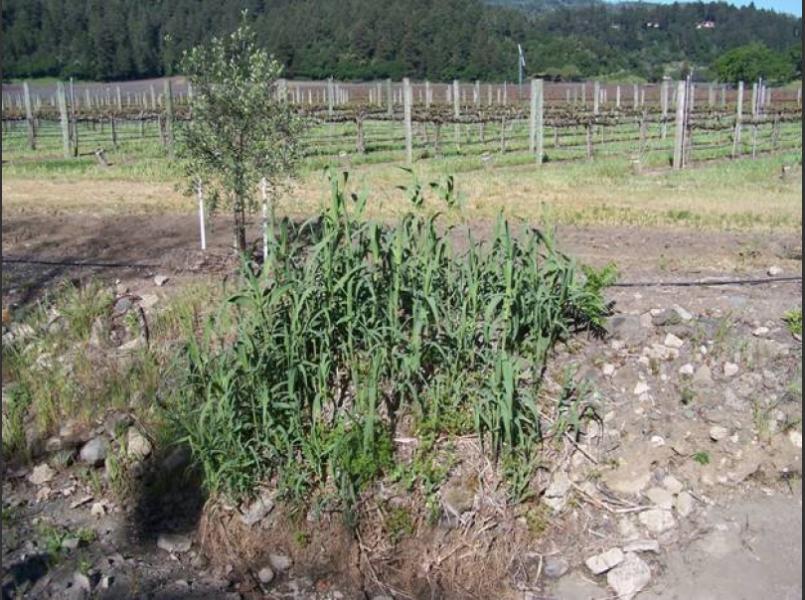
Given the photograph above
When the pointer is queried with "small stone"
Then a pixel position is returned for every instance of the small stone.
(41, 474)
(645, 545)
(641, 388)
(774, 271)
(601, 563)
(122, 305)
(555, 566)
(279, 562)
(174, 542)
(682, 313)
(257, 510)
(98, 509)
(657, 441)
(94, 451)
(686, 369)
(70, 543)
(556, 494)
(657, 520)
(703, 375)
(795, 437)
(660, 497)
(730, 369)
(718, 433)
(631, 576)
(137, 445)
(760, 331)
(82, 582)
(81, 502)
(672, 484)
(265, 575)
(148, 300)
(160, 280)
(672, 341)
(608, 369)
(683, 504)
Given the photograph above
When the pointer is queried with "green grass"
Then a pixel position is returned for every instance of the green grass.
(793, 320)
(351, 325)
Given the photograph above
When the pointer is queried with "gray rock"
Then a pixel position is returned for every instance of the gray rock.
(555, 566)
(279, 562)
(148, 301)
(682, 313)
(70, 543)
(627, 328)
(161, 280)
(82, 582)
(601, 563)
(672, 341)
(665, 318)
(683, 504)
(657, 520)
(257, 510)
(41, 474)
(718, 433)
(556, 494)
(174, 542)
(730, 369)
(703, 376)
(137, 445)
(672, 484)
(660, 497)
(265, 575)
(122, 305)
(94, 451)
(628, 578)
(643, 546)
(774, 271)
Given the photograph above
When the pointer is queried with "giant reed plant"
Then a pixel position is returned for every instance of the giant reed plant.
(350, 324)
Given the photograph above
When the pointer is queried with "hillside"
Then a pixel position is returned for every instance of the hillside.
(362, 39)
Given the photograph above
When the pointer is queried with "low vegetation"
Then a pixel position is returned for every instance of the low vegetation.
(350, 329)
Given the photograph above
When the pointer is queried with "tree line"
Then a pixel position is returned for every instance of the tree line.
(366, 39)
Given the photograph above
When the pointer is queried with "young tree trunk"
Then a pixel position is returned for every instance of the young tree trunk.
(239, 225)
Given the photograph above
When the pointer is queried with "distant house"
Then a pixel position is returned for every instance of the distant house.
(706, 25)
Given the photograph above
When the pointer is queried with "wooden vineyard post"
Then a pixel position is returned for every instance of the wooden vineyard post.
(711, 95)
(635, 96)
(114, 130)
(29, 116)
(169, 116)
(201, 224)
(330, 94)
(360, 144)
(73, 118)
(536, 131)
(799, 96)
(584, 94)
(153, 98)
(642, 143)
(775, 134)
(679, 136)
(409, 135)
(457, 112)
(589, 130)
(489, 94)
(736, 138)
(428, 96)
(618, 97)
(389, 99)
(65, 124)
(596, 97)
(119, 98)
(502, 135)
(664, 107)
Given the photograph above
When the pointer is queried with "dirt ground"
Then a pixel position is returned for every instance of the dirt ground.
(718, 379)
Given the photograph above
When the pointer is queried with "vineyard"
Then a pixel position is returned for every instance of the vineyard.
(387, 122)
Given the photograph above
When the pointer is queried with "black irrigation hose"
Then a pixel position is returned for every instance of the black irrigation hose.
(69, 263)
(628, 284)
(625, 284)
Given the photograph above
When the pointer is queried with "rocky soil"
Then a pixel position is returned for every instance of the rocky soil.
(687, 484)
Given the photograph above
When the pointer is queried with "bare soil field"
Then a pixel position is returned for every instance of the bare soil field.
(687, 485)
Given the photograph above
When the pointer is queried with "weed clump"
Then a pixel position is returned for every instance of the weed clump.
(348, 326)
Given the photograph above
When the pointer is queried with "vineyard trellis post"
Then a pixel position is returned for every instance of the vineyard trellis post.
(65, 125)
(457, 111)
(596, 97)
(736, 138)
(169, 117)
(679, 137)
(537, 137)
(29, 116)
(409, 140)
(664, 106)
(389, 99)
(635, 96)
